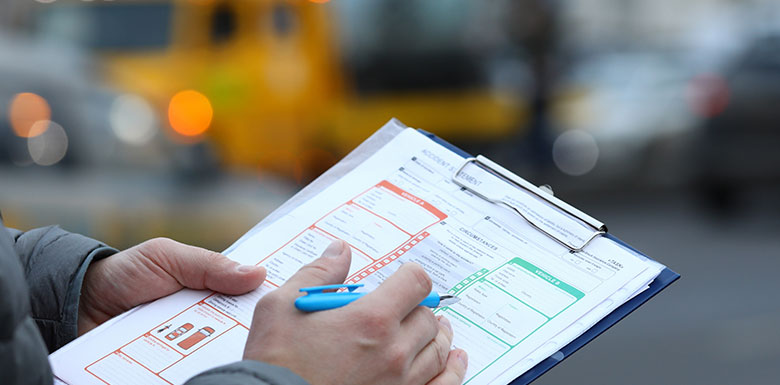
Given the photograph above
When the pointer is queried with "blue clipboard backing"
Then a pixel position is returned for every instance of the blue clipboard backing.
(663, 280)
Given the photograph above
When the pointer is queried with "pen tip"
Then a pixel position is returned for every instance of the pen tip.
(447, 300)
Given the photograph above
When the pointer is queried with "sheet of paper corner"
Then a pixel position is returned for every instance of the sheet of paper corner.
(362, 152)
(376, 141)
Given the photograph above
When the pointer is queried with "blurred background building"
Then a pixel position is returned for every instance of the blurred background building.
(193, 119)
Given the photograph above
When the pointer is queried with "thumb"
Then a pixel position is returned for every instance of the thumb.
(229, 277)
(198, 268)
(331, 268)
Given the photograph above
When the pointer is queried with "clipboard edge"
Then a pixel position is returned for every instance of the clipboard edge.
(661, 282)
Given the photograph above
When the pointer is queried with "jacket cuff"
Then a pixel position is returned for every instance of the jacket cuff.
(69, 325)
(248, 372)
(55, 263)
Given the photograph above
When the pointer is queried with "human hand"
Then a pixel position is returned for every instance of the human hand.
(152, 270)
(382, 338)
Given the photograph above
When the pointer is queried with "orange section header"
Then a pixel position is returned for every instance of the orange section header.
(413, 198)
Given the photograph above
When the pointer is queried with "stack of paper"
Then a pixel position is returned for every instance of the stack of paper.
(523, 295)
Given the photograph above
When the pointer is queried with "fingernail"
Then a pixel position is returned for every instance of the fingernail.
(246, 268)
(444, 321)
(334, 249)
(463, 358)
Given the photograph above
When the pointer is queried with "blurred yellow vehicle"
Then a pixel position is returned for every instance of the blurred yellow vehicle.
(285, 86)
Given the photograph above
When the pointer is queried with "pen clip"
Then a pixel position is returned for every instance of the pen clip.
(320, 289)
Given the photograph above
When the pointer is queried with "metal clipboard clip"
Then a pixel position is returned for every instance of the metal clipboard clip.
(509, 177)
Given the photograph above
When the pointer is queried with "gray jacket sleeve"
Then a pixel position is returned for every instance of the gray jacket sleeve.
(54, 263)
(49, 264)
(247, 372)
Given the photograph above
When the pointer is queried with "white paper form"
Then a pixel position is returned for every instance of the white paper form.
(519, 288)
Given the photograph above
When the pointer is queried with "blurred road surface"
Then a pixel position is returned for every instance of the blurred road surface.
(123, 208)
(719, 323)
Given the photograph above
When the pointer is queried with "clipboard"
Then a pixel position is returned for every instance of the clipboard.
(664, 279)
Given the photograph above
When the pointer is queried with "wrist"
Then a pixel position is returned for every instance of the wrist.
(94, 297)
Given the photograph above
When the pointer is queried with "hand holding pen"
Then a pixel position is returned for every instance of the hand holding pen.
(326, 297)
(381, 337)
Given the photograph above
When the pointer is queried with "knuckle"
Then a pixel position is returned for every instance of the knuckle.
(212, 258)
(376, 325)
(442, 351)
(316, 270)
(396, 359)
(421, 278)
(268, 304)
(447, 331)
(159, 243)
(427, 321)
(429, 317)
(154, 246)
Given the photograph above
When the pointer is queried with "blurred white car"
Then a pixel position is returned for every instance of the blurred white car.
(627, 102)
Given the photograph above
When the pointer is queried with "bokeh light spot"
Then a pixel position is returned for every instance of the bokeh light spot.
(25, 110)
(49, 147)
(575, 152)
(708, 95)
(132, 119)
(190, 113)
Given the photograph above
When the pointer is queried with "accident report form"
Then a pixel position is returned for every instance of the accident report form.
(523, 295)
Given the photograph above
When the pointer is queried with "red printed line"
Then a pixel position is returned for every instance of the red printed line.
(173, 363)
(158, 339)
(206, 343)
(179, 360)
(438, 213)
(350, 245)
(96, 376)
(387, 259)
(86, 368)
(144, 366)
(280, 248)
(304, 230)
(383, 218)
(383, 184)
(110, 353)
(378, 263)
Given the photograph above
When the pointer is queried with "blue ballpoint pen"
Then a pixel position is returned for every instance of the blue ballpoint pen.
(316, 299)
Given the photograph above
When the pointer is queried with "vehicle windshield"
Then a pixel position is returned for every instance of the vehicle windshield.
(393, 45)
(130, 26)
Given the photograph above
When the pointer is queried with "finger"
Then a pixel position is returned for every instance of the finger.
(419, 328)
(329, 269)
(401, 292)
(432, 359)
(198, 268)
(455, 371)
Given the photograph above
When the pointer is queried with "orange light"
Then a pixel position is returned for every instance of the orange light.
(27, 108)
(319, 1)
(190, 113)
